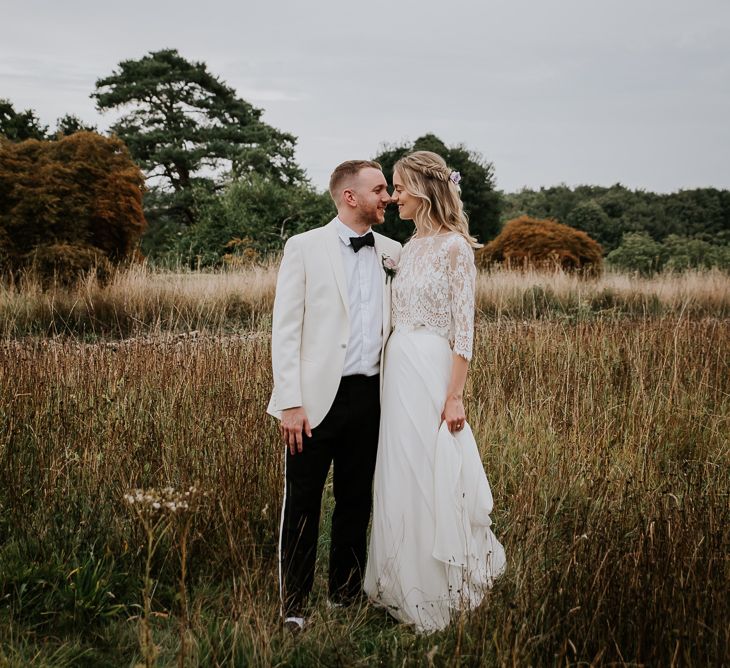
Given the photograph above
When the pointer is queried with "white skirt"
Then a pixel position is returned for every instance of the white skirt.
(431, 550)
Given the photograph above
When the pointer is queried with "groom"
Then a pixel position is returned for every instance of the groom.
(330, 324)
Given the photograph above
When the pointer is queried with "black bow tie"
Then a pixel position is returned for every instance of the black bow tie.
(358, 242)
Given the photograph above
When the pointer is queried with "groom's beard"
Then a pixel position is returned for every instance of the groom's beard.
(371, 216)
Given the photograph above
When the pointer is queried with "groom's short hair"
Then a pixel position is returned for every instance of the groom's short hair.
(348, 170)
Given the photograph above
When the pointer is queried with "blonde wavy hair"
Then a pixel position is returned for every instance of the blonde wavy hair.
(426, 177)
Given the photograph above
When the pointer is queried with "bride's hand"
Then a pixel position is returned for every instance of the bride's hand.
(454, 414)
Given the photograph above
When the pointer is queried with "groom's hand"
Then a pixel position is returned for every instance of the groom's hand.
(294, 421)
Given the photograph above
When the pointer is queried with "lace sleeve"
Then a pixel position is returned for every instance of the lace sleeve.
(462, 281)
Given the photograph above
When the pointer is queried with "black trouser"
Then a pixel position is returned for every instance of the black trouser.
(348, 439)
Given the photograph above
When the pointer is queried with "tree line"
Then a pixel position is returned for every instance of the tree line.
(200, 178)
(638, 230)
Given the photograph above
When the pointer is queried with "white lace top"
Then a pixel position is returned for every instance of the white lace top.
(434, 288)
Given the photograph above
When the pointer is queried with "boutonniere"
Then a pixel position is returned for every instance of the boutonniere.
(389, 267)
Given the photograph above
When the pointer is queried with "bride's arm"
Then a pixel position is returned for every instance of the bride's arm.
(462, 280)
(454, 412)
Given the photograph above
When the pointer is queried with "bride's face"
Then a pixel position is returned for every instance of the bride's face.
(407, 204)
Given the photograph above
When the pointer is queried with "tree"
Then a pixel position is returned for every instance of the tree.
(610, 213)
(26, 125)
(699, 210)
(73, 199)
(481, 200)
(692, 253)
(69, 124)
(525, 202)
(590, 217)
(185, 127)
(638, 252)
(529, 242)
(251, 217)
(20, 126)
(559, 202)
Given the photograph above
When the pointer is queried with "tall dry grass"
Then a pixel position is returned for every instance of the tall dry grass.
(140, 300)
(606, 443)
(530, 293)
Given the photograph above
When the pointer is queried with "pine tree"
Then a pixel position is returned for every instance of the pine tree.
(185, 127)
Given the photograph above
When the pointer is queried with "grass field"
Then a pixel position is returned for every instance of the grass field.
(602, 413)
(142, 301)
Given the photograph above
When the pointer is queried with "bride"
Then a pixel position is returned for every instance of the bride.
(432, 552)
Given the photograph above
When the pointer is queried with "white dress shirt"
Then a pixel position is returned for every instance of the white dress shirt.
(365, 293)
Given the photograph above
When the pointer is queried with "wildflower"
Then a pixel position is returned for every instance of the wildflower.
(167, 499)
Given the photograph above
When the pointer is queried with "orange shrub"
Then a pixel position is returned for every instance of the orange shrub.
(528, 242)
(69, 203)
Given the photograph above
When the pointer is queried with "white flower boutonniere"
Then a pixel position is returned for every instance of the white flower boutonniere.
(389, 267)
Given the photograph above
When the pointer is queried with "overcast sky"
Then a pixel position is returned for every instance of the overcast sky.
(562, 91)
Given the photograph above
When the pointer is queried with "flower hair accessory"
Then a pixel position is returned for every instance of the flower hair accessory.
(455, 177)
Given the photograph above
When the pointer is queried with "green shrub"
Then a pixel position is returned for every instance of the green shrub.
(640, 253)
(687, 253)
(251, 218)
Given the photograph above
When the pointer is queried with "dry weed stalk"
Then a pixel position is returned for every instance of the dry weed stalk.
(161, 511)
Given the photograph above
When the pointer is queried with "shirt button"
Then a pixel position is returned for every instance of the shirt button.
(343, 345)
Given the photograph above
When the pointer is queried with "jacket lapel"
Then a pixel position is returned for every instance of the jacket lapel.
(335, 256)
(380, 251)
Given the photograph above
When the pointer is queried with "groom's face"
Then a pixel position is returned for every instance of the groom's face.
(372, 195)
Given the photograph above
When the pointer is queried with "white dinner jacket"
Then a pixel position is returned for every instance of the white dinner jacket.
(311, 324)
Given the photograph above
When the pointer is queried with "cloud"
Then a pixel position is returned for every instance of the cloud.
(263, 95)
(573, 91)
